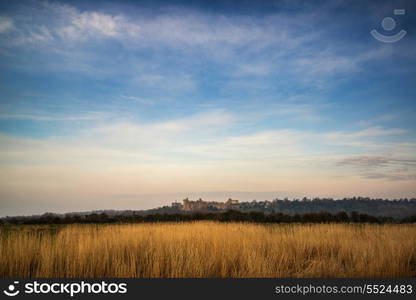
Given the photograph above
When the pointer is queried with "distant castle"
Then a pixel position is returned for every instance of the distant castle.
(398, 208)
(200, 205)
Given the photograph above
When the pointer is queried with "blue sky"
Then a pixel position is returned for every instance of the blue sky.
(134, 104)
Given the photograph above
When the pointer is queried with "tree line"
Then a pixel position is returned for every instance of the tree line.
(228, 216)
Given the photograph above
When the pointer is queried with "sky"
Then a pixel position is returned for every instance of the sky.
(136, 104)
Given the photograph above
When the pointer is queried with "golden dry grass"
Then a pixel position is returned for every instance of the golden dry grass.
(209, 249)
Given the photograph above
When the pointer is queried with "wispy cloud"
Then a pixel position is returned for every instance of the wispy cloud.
(391, 166)
(393, 177)
(375, 161)
(167, 82)
(247, 46)
(53, 117)
(140, 100)
(375, 137)
(379, 119)
(173, 27)
(211, 136)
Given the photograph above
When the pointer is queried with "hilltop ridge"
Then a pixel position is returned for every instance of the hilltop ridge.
(397, 209)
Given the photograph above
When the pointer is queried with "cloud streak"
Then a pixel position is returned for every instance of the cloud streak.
(247, 46)
(49, 117)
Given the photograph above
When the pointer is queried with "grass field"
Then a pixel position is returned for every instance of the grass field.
(208, 249)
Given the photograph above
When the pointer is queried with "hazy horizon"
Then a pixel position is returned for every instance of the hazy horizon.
(133, 105)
